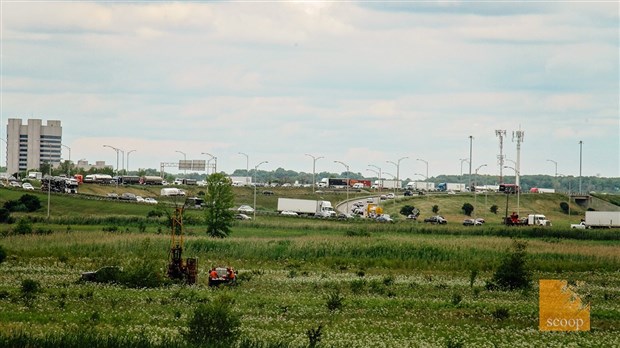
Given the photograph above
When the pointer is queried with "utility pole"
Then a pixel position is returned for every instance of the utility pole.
(580, 153)
(501, 133)
(471, 138)
(519, 136)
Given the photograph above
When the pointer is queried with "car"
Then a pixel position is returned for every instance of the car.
(437, 219)
(27, 186)
(480, 220)
(268, 193)
(127, 196)
(150, 200)
(112, 195)
(345, 216)
(242, 217)
(383, 197)
(288, 213)
(139, 199)
(370, 200)
(107, 274)
(14, 184)
(408, 193)
(471, 222)
(245, 209)
(384, 218)
(391, 196)
(412, 217)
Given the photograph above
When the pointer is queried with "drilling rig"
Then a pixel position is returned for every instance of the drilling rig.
(178, 269)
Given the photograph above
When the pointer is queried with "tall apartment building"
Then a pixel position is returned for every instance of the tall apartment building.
(32, 144)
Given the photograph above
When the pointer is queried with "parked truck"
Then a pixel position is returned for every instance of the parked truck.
(306, 207)
(599, 219)
(541, 190)
(447, 186)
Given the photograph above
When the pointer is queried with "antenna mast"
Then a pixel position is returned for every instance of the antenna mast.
(519, 136)
(501, 133)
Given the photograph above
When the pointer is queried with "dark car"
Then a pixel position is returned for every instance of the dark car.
(437, 219)
(408, 193)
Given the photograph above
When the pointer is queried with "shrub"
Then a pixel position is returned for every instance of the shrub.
(501, 313)
(472, 277)
(31, 202)
(335, 301)
(2, 254)
(357, 286)
(467, 209)
(314, 336)
(456, 298)
(407, 210)
(214, 323)
(24, 226)
(564, 206)
(5, 216)
(435, 209)
(513, 272)
(493, 209)
(30, 288)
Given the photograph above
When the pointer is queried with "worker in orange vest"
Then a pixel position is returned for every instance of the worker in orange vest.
(213, 274)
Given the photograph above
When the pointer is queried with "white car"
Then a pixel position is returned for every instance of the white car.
(245, 209)
(288, 213)
(139, 199)
(27, 186)
(150, 200)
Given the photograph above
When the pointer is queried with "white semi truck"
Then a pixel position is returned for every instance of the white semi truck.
(388, 184)
(306, 207)
(600, 219)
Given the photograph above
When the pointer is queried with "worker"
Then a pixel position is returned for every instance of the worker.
(230, 274)
(213, 274)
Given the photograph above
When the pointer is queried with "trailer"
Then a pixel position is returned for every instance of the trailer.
(602, 219)
(388, 184)
(306, 207)
(421, 186)
(447, 186)
(151, 180)
(541, 190)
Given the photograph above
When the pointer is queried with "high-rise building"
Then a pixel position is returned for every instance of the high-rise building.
(32, 144)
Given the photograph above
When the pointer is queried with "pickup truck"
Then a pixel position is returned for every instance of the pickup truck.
(581, 225)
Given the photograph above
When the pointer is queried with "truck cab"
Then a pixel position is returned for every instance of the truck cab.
(538, 220)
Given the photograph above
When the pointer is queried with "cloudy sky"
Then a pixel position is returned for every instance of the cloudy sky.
(357, 82)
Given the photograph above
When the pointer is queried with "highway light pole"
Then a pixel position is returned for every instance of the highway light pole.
(69, 167)
(184, 159)
(580, 157)
(393, 177)
(314, 159)
(556, 166)
(475, 184)
(516, 187)
(255, 170)
(210, 159)
(117, 150)
(348, 174)
(463, 160)
(247, 166)
(421, 160)
(397, 164)
(129, 153)
(380, 186)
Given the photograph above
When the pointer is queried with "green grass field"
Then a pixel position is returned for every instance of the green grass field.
(400, 285)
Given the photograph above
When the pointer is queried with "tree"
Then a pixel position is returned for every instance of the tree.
(468, 209)
(407, 210)
(31, 202)
(435, 209)
(513, 272)
(219, 200)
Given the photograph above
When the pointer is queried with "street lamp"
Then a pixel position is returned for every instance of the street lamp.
(393, 177)
(184, 159)
(380, 186)
(314, 159)
(247, 166)
(516, 187)
(129, 153)
(463, 160)
(117, 150)
(476, 173)
(556, 166)
(397, 164)
(580, 153)
(214, 163)
(348, 174)
(69, 168)
(426, 162)
(255, 170)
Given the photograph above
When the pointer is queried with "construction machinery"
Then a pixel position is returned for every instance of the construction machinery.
(179, 269)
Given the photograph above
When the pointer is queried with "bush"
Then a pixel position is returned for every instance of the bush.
(314, 336)
(31, 202)
(407, 210)
(30, 288)
(513, 272)
(24, 226)
(565, 207)
(467, 209)
(493, 209)
(214, 324)
(501, 313)
(5, 216)
(2, 254)
(435, 209)
(335, 301)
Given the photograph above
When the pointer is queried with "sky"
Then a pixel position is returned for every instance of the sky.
(356, 83)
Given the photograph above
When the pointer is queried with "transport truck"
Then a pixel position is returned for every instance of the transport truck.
(447, 186)
(421, 186)
(306, 207)
(599, 219)
(388, 184)
(541, 190)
